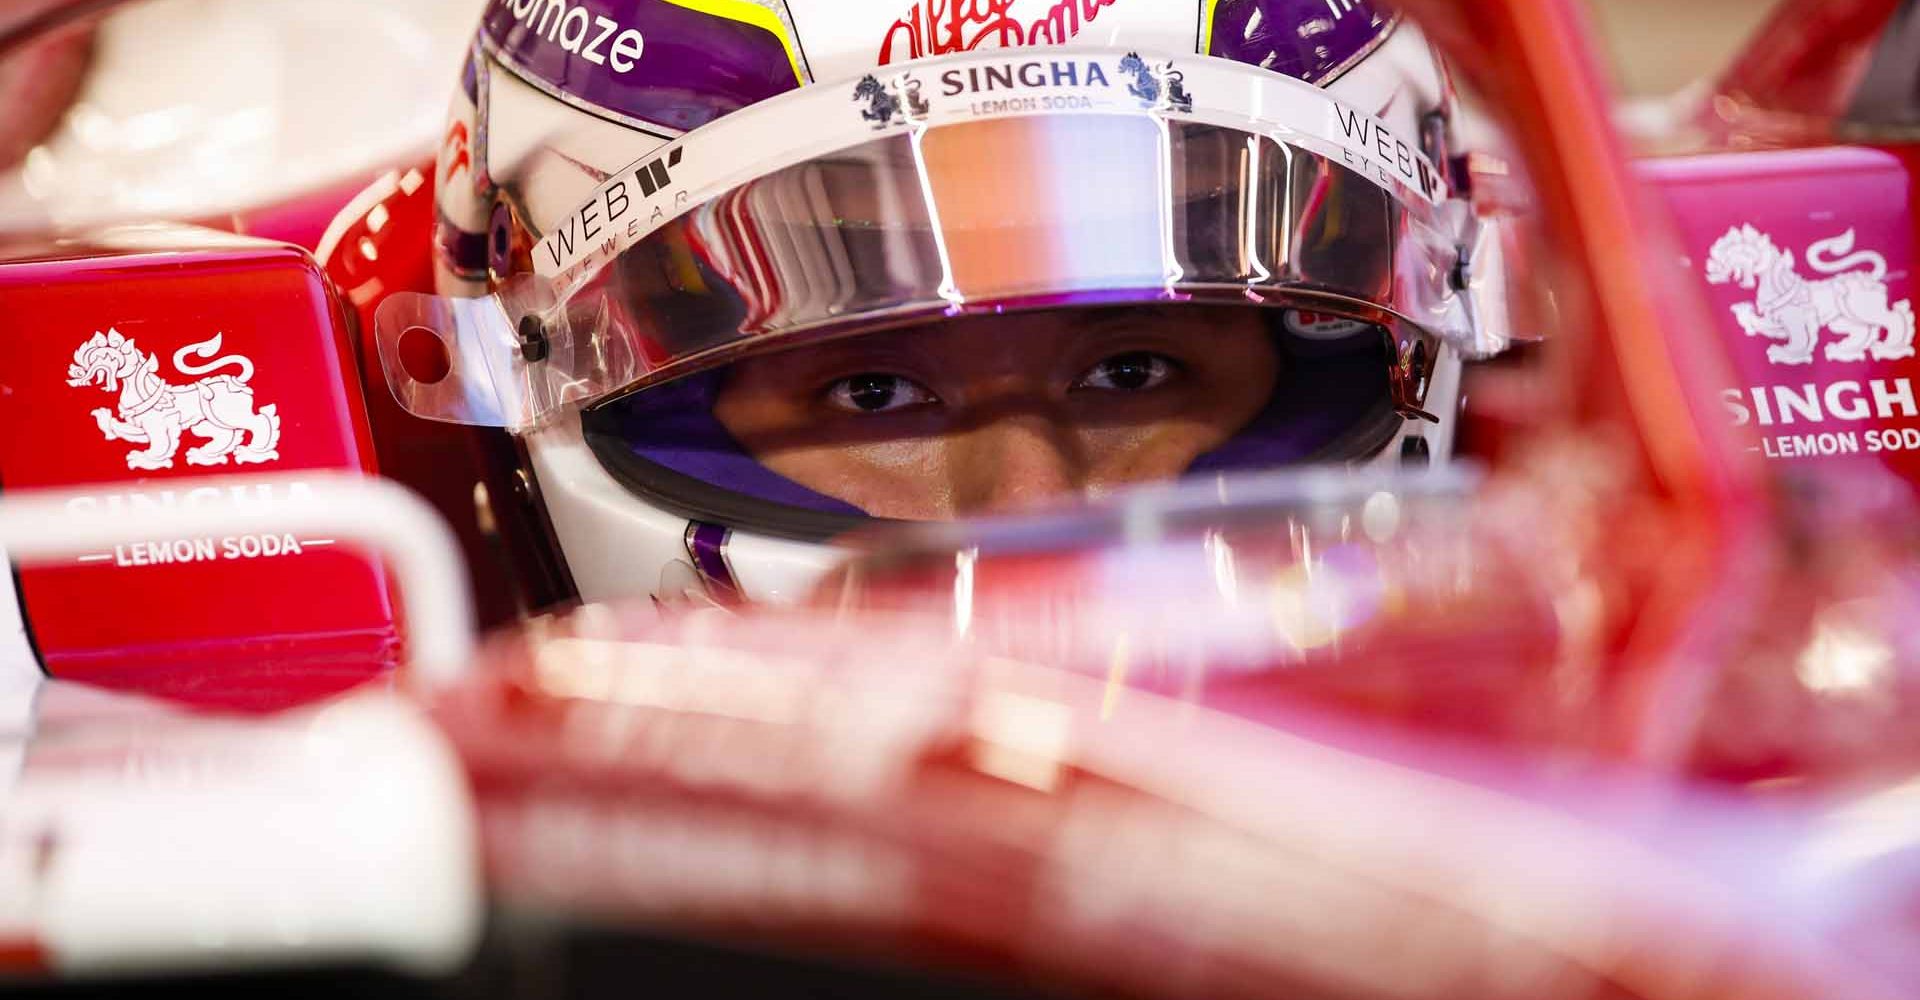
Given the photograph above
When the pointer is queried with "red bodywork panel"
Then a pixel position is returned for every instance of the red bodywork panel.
(243, 620)
(1800, 71)
(382, 243)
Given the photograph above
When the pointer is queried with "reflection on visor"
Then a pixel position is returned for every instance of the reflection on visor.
(1019, 210)
(996, 414)
(976, 211)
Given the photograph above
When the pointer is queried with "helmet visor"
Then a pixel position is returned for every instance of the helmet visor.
(972, 185)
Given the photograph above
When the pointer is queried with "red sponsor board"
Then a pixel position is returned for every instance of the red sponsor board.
(1807, 256)
(132, 370)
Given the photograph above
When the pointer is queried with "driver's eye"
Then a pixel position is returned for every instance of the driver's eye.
(876, 392)
(1133, 371)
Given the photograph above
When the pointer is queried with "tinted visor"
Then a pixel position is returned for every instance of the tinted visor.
(997, 413)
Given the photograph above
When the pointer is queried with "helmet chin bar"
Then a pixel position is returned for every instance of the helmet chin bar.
(618, 545)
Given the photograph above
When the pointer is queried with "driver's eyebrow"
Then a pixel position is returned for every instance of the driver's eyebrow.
(1136, 318)
(847, 355)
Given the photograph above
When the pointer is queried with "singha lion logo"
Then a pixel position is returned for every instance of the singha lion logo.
(883, 103)
(218, 408)
(1794, 309)
(1147, 84)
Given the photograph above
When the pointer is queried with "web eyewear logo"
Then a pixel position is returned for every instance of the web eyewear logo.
(597, 228)
(890, 103)
(1368, 146)
(1794, 310)
(654, 177)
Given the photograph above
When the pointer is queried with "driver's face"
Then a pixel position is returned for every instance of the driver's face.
(1001, 413)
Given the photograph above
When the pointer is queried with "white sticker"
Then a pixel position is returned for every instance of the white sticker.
(800, 126)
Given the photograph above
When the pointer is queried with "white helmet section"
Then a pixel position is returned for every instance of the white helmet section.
(520, 154)
(510, 144)
(618, 545)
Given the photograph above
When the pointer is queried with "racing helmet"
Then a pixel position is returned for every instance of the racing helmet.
(722, 266)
